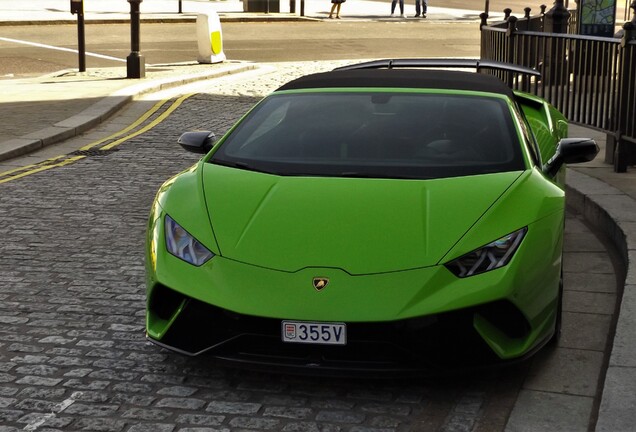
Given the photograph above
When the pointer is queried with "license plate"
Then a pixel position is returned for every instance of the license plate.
(314, 332)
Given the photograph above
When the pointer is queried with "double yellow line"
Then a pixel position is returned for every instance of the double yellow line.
(118, 137)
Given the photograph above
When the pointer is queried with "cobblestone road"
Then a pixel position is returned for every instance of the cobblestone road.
(73, 356)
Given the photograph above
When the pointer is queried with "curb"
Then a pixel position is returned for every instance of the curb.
(613, 213)
(102, 110)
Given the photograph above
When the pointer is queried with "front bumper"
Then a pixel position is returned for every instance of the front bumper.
(431, 344)
(420, 319)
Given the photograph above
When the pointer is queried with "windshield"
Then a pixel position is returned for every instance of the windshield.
(375, 134)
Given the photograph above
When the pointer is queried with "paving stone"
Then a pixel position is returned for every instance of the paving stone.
(288, 412)
(333, 404)
(92, 410)
(7, 391)
(588, 262)
(17, 347)
(254, 423)
(311, 427)
(624, 348)
(201, 419)
(617, 412)
(458, 422)
(132, 388)
(78, 373)
(47, 421)
(10, 415)
(220, 407)
(177, 391)
(585, 331)
(544, 411)
(60, 351)
(203, 429)
(113, 375)
(284, 400)
(37, 380)
(38, 405)
(92, 396)
(42, 393)
(86, 384)
(5, 378)
(41, 370)
(30, 359)
(586, 302)
(378, 408)
(152, 427)
(567, 371)
(340, 417)
(6, 402)
(181, 403)
(385, 422)
(98, 425)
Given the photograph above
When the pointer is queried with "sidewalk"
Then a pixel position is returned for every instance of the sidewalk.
(41, 111)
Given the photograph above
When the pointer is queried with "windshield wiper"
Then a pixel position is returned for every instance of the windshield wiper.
(240, 165)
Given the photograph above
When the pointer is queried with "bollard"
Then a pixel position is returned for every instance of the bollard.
(210, 38)
(77, 7)
(135, 62)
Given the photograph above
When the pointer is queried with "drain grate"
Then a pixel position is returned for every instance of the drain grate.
(93, 152)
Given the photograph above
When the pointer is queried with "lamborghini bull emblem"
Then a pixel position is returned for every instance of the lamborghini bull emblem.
(320, 283)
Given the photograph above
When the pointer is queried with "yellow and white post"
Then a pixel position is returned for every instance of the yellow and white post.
(210, 39)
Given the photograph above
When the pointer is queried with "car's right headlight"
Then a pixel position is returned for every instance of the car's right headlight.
(182, 245)
(490, 257)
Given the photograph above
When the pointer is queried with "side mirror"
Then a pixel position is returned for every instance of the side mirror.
(197, 142)
(569, 151)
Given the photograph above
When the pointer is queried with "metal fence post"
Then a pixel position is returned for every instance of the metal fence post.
(507, 12)
(554, 68)
(527, 11)
(556, 19)
(543, 8)
(484, 19)
(626, 95)
(512, 49)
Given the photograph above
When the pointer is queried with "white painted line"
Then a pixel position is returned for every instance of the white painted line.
(39, 45)
(39, 421)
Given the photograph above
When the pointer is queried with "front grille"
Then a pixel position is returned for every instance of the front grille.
(441, 341)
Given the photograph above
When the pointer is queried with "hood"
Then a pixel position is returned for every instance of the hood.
(361, 226)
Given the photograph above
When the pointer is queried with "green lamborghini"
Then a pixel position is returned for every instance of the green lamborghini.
(385, 216)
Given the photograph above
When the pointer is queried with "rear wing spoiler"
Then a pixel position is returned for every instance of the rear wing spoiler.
(443, 63)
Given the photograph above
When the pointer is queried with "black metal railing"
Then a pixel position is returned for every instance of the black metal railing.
(591, 80)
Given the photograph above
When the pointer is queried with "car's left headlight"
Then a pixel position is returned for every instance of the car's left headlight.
(492, 256)
(182, 245)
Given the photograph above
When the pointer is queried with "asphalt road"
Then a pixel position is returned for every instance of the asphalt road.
(162, 43)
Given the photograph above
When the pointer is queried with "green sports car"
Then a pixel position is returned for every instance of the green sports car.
(385, 216)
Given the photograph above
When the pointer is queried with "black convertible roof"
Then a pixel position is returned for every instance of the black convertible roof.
(411, 73)
(402, 78)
